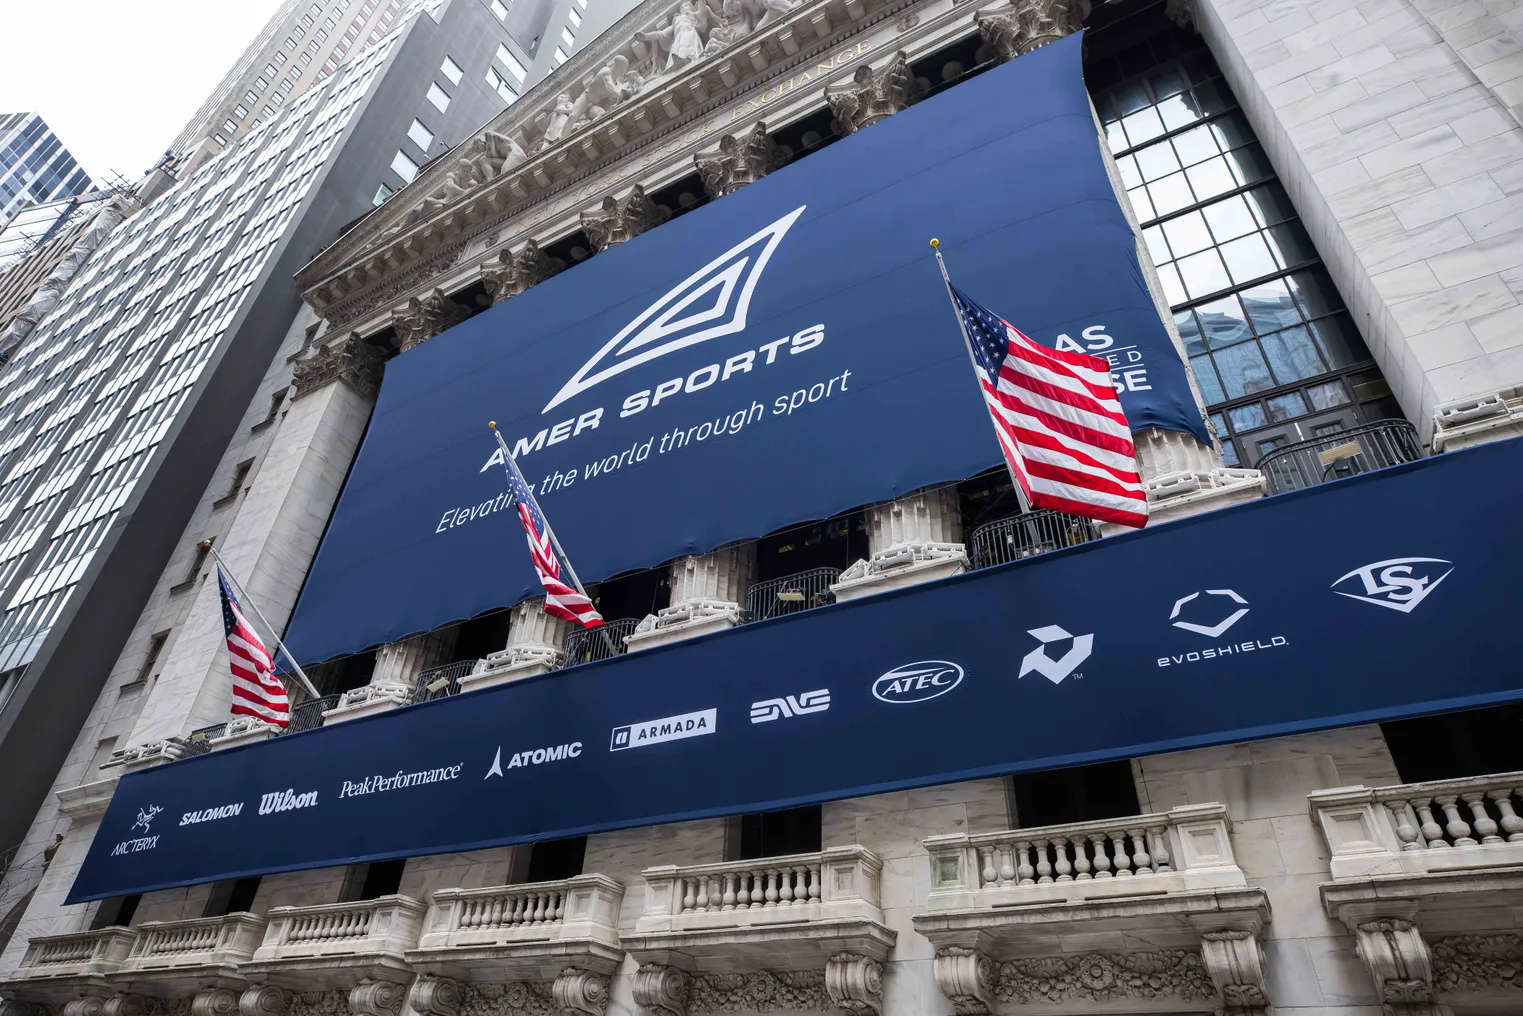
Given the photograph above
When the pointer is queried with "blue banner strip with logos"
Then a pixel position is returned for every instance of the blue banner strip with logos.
(1340, 604)
(793, 336)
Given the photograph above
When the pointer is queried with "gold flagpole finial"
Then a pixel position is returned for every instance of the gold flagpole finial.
(935, 243)
(492, 424)
(205, 545)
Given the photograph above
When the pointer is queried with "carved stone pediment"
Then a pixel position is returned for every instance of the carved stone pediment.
(873, 96)
(511, 273)
(741, 159)
(620, 220)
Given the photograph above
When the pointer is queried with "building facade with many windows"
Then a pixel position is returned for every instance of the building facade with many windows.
(35, 167)
(1321, 202)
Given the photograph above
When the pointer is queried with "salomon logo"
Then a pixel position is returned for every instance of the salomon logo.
(286, 800)
(710, 303)
(917, 682)
(793, 705)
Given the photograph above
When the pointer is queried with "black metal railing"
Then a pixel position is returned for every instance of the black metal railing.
(1335, 456)
(441, 681)
(309, 714)
(198, 741)
(791, 593)
(1020, 536)
(584, 645)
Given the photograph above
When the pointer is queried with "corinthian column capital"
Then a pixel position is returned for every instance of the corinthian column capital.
(351, 360)
(617, 221)
(420, 320)
(873, 96)
(1024, 25)
(511, 273)
(741, 159)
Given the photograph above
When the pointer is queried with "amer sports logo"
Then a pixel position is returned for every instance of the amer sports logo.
(668, 728)
(771, 709)
(1056, 670)
(710, 303)
(1393, 584)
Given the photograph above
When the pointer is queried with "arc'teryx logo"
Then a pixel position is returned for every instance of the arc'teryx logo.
(790, 706)
(145, 817)
(1213, 630)
(711, 302)
(1392, 584)
(1056, 670)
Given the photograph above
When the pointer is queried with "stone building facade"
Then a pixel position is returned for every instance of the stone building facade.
(1361, 870)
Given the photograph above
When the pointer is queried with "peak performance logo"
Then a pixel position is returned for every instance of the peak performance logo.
(710, 303)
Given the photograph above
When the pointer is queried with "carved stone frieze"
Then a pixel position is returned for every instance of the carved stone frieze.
(966, 977)
(1024, 25)
(351, 360)
(1235, 962)
(1101, 977)
(516, 998)
(855, 983)
(873, 96)
(434, 996)
(421, 320)
(661, 991)
(317, 1003)
(741, 159)
(580, 992)
(214, 1002)
(1399, 963)
(268, 1000)
(342, 310)
(761, 991)
(620, 220)
(1468, 963)
(511, 273)
(376, 998)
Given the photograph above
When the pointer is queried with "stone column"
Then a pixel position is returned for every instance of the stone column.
(1235, 961)
(707, 593)
(873, 96)
(966, 977)
(536, 644)
(395, 678)
(1393, 951)
(914, 539)
(421, 320)
(660, 990)
(511, 273)
(741, 159)
(620, 220)
(855, 983)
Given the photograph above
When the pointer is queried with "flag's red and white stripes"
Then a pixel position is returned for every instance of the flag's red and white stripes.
(256, 690)
(1061, 427)
(561, 600)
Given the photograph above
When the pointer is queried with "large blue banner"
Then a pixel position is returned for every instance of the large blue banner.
(1336, 605)
(783, 354)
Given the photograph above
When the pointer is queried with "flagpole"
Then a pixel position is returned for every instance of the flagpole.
(249, 600)
(550, 531)
(967, 342)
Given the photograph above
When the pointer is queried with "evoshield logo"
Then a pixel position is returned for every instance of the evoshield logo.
(917, 682)
(1392, 583)
(1056, 670)
(710, 303)
(1213, 630)
(792, 705)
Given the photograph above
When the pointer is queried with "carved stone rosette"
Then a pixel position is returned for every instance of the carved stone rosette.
(434, 996)
(511, 273)
(351, 360)
(855, 983)
(661, 991)
(1025, 25)
(617, 221)
(1400, 965)
(741, 159)
(580, 992)
(1235, 961)
(872, 97)
(90, 1005)
(376, 998)
(422, 319)
(214, 1002)
(966, 977)
(263, 1000)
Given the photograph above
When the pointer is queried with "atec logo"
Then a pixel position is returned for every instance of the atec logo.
(286, 800)
(668, 728)
(917, 682)
(1393, 584)
(789, 706)
(1056, 670)
(145, 817)
(710, 303)
(1227, 616)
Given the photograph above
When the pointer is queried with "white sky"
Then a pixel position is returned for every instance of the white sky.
(116, 81)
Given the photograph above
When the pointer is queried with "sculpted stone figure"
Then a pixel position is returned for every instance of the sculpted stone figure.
(682, 40)
(619, 82)
(493, 154)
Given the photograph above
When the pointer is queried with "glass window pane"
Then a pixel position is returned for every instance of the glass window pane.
(1232, 131)
(1315, 293)
(1205, 376)
(1222, 322)
(1116, 137)
(1291, 244)
(1229, 453)
(1249, 165)
(1211, 178)
(404, 167)
(1328, 396)
(1211, 98)
(1131, 98)
(1270, 205)
(1270, 307)
(1127, 167)
(1248, 258)
(1156, 161)
(1292, 355)
(1243, 369)
(1269, 444)
(438, 97)
(1248, 417)
(1230, 219)
(1195, 146)
(1142, 126)
(1167, 81)
(1173, 289)
(1339, 342)
(1158, 250)
(1202, 273)
(1189, 331)
(1178, 111)
(1170, 194)
(1141, 205)
(420, 135)
(1286, 407)
(1187, 234)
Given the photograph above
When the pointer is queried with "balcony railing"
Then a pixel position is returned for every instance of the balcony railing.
(442, 681)
(388, 925)
(1021, 536)
(791, 593)
(585, 645)
(309, 714)
(1335, 456)
(82, 953)
(163, 945)
(1416, 828)
(586, 906)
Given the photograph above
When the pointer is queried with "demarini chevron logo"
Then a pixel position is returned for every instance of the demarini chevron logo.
(710, 303)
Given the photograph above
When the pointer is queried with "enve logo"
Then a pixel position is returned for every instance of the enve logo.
(790, 706)
(917, 682)
(710, 303)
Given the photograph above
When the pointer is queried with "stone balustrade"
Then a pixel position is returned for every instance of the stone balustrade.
(58, 968)
(335, 945)
(201, 941)
(1413, 828)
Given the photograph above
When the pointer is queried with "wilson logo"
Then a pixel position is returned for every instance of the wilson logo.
(789, 706)
(917, 682)
(710, 303)
(286, 800)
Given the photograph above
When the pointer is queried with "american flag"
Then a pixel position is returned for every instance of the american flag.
(1058, 420)
(561, 600)
(256, 689)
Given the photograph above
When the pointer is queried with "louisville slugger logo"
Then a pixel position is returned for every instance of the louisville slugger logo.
(790, 706)
(710, 303)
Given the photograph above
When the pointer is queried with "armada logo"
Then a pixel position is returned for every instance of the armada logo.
(710, 303)
(789, 706)
(286, 800)
(1392, 583)
(668, 728)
